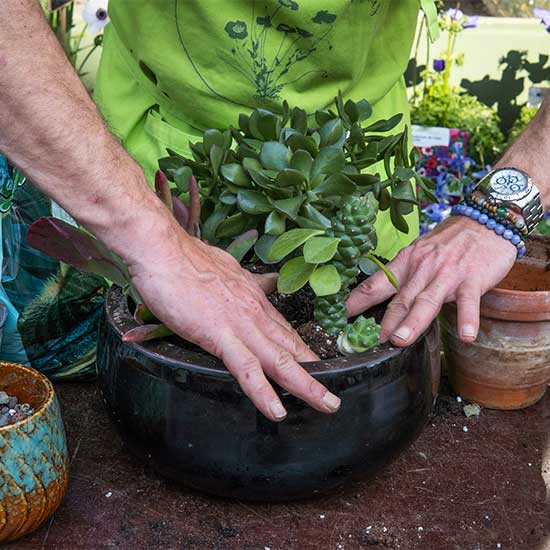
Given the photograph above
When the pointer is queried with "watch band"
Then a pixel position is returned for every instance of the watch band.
(532, 213)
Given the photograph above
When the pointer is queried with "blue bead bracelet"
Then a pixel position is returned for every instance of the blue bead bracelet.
(490, 223)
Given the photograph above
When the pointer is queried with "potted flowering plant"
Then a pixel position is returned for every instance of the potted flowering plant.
(281, 193)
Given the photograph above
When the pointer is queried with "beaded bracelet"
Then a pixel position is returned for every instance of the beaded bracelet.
(507, 217)
(510, 234)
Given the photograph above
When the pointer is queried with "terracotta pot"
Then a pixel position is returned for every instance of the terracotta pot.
(182, 411)
(508, 366)
(34, 464)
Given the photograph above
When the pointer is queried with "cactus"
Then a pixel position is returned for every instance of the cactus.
(331, 313)
(360, 336)
(354, 226)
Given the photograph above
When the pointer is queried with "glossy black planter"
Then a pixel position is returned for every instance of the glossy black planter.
(183, 411)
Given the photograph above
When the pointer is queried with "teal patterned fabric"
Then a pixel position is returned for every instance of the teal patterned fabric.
(53, 309)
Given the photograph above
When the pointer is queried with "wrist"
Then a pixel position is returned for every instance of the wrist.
(132, 221)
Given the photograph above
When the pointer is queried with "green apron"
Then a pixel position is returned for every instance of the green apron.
(172, 68)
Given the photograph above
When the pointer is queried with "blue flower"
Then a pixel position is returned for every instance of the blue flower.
(544, 16)
(439, 65)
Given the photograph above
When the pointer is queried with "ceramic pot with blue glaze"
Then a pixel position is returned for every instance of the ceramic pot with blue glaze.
(34, 463)
(183, 412)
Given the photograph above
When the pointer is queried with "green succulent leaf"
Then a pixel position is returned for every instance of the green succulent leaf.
(365, 109)
(274, 156)
(298, 120)
(337, 184)
(364, 180)
(181, 178)
(311, 217)
(264, 125)
(235, 174)
(242, 244)
(385, 125)
(263, 247)
(372, 260)
(275, 223)
(227, 197)
(399, 222)
(290, 207)
(350, 108)
(211, 224)
(253, 202)
(289, 178)
(290, 241)
(325, 281)
(244, 124)
(332, 132)
(330, 160)
(210, 138)
(233, 226)
(294, 275)
(216, 157)
(302, 161)
(307, 143)
(322, 117)
(319, 250)
(368, 266)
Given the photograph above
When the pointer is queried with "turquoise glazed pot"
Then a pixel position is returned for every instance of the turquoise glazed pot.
(34, 464)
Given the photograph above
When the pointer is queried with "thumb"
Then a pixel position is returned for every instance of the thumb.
(267, 282)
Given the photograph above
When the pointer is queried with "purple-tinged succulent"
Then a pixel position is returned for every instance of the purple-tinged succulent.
(144, 333)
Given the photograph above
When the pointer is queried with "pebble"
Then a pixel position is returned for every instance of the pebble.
(465, 429)
(459, 399)
(11, 411)
(109, 494)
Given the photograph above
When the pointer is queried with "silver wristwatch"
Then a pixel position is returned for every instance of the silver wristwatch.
(514, 189)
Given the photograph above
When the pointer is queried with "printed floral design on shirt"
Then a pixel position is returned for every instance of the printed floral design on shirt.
(269, 70)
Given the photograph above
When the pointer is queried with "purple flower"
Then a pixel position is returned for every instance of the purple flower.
(472, 21)
(455, 14)
(544, 16)
(439, 65)
(467, 21)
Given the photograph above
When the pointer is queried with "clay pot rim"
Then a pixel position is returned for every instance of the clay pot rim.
(120, 318)
(39, 410)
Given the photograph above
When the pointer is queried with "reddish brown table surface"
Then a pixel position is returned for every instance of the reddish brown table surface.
(454, 489)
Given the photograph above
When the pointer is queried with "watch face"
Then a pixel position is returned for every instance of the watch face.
(509, 184)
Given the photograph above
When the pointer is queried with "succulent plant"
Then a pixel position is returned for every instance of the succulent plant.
(290, 187)
(359, 336)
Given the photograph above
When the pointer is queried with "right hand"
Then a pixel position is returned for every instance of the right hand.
(204, 295)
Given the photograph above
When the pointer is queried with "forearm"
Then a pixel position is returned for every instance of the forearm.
(51, 129)
(531, 152)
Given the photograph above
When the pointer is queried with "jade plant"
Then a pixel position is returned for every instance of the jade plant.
(288, 189)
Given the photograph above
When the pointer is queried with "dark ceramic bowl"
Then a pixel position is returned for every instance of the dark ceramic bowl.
(182, 411)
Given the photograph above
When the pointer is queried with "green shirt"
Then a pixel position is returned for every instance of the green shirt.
(172, 68)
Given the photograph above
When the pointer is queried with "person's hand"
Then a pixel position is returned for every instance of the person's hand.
(204, 295)
(457, 262)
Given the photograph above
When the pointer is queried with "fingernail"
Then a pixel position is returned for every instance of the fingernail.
(402, 333)
(277, 410)
(331, 401)
(468, 331)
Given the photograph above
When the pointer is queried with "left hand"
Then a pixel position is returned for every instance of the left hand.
(458, 261)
